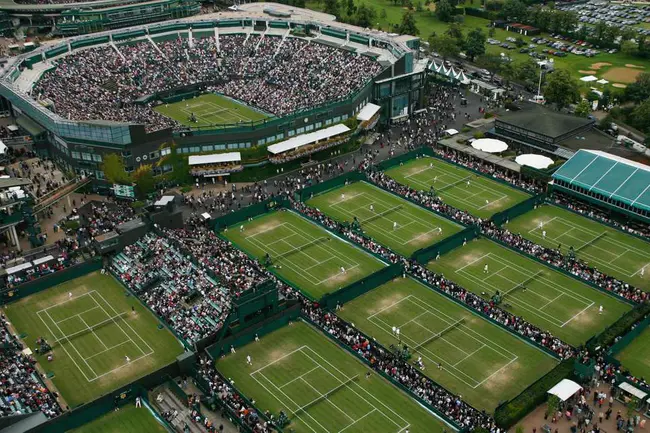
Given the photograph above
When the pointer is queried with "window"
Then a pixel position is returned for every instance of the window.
(220, 147)
(126, 153)
(86, 156)
(97, 158)
(153, 155)
(209, 148)
(328, 122)
(291, 133)
(309, 128)
(99, 174)
(165, 151)
(232, 146)
(76, 155)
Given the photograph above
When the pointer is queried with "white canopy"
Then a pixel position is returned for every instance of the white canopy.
(12, 128)
(565, 389)
(43, 260)
(450, 131)
(632, 390)
(164, 200)
(3, 148)
(489, 145)
(19, 268)
(534, 160)
(214, 158)
(602, 81)
(304, 139)
(367, 112)
(588, 78)
(205, 215)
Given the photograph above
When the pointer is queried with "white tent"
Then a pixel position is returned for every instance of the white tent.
(205, 215)
(489, 145)
(450, 132)
(534, 160)
(565, 389)
(602, 81)
(588, 78)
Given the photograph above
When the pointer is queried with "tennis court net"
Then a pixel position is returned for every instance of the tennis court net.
(326, 395)
(453, 184)
(439, 334)
(521, 285)
(89, 329)
(381, 214)
(300, 248)
(591, 242)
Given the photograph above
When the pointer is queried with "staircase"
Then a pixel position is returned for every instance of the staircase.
(164, 400)
(56, 195)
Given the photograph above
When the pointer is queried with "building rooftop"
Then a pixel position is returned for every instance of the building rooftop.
(543, 121)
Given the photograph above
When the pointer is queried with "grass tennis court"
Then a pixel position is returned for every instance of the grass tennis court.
(210, 109)
(541, 295)
(303, 253)
(91, 334)
(378, 211)
(636, 356)
(482, 197)
(477, 359)
(128, 419)
(321, 387)
(611, 251)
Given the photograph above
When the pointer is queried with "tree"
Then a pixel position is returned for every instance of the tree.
(144, 181)
(365, 16)
(455, 32)
(552, 406)
(475, 44)
(331, 7)
(639, 91)
(113, 168)
(351, 8)
(627, 33)
(408, 26)
(491, 32)
(629, 48)
(640, 117)
(583, 109)
(444, 11)
(561, 89)
(445, 45)
(491, 62)
(514, 10)
(383, 14)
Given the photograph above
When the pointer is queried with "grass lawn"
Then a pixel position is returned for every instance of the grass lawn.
(128, 419)
(321, 387)
(636, 356)
(480, 361)
(91, 333)
(210, 109)
(483, 197)
(416, 227)
(611, 251)
(304, 253)
(545, 297)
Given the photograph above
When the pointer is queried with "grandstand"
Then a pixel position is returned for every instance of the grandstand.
(608, 181)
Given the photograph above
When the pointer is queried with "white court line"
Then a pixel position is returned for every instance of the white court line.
(264, 231)
(78, 314)
(490, 376)
(107, 349)
(473, 261)
(73, 346)
(299, 377)
(353, 423)
(93, 332)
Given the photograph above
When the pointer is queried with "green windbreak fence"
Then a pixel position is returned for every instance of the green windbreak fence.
(392, 162)
(362, 286)
(45, 282)
(518, 209)
(627, 338)
(251, 211)
(336, 182)
(426, 254)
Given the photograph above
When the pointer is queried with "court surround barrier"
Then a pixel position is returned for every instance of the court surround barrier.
(248, 212)
(50, 280)
(518, 209)
(358, 288)
(406, 157)
(336, 182)
(426, 254)
(626, 339)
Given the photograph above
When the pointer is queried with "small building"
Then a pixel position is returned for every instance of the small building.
(216, 165)
(306, 144)
(522, 29)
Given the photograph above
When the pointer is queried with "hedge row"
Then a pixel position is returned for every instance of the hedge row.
(509, 413)
(476, 12)
(620, 327)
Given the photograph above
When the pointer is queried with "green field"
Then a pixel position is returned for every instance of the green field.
(636, 356)
(210, 109)
(545, 297)
(303, 253)
(611, 251)
(322, 387)
(91, 334)
(416, 227)
(128, 419)
(461, 351)
(483, 197)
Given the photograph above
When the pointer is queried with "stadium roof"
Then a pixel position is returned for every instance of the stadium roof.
(537, 119)
(304, 139)
(609, 175)
(214, 158)
(367, 112)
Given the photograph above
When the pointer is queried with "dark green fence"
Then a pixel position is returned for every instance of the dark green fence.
(627, 338)
(251, 211)
(356, 289)
(401, 159)
(336, 182)
(426, 254)
(45, 282)
(518, 209)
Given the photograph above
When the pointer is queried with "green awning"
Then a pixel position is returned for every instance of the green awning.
(33, 128)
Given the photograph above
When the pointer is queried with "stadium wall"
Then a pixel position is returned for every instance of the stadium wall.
(626, 339)
(518, 209)
(426, 254)
(358, 288)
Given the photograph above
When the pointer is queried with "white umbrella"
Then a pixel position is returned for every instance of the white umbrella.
(588, 78)
(534, 160)
(489, 145)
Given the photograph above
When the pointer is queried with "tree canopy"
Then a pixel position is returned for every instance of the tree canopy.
(561, 89)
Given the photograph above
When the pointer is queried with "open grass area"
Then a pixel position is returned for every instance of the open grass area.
(457, 186)
(611, 251)
(321, 387)
(532, 290)
(210, 109)
(93, 327)
(460, 350)
(395, 222)
(636, 356)
(128, 419)
(303, 253)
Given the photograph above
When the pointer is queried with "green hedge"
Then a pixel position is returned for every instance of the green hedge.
(620, 327)
(509, 413)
